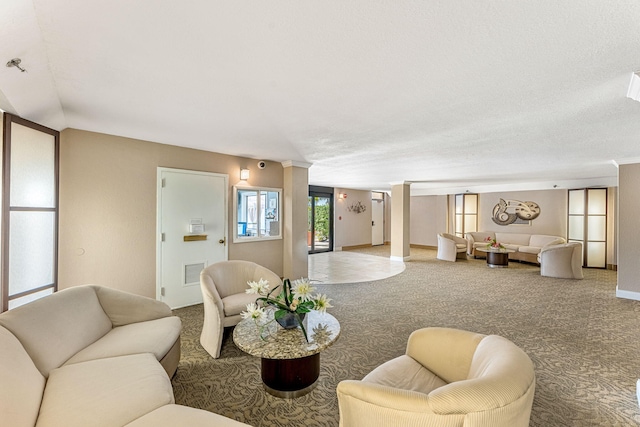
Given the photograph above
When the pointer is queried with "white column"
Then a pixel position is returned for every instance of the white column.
(295, 263)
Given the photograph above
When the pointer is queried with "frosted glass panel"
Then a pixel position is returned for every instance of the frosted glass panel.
(596, 254)
(470, 204)
(470, 222)
(597, 228)
(576, 202)
(458, 203)
(576, 228)
(31, 247)
(458, 228)
(32, 167)
(28, 298)
(597, 202)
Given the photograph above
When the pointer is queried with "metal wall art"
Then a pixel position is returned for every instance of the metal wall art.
(357, 207)
(508, 212)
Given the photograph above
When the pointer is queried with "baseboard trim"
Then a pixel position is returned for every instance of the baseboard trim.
(627, 294)
(423, 246)
(366, 245)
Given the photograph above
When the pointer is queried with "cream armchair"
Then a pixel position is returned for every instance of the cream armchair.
(561, 261)
(451, 247)
(223, 287)
(447, 377)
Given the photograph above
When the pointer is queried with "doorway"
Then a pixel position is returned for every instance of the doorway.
(192, 232)
(320, 220)
(377, 218)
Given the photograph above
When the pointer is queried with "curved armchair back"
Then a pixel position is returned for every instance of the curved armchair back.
(450, 247)
(223, 287)
(466, 379)
(231, 277)
(562, 261)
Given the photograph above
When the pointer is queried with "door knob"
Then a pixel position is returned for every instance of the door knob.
(221, 241)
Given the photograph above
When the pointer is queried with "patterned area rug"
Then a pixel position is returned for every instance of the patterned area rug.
(582, 339)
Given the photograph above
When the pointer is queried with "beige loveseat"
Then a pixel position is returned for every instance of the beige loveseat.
(448, 377)
(526, 247)
(92, 356)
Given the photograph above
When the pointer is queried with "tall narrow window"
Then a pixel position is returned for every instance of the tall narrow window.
(587, 224)
(466, 214)
(29, 211)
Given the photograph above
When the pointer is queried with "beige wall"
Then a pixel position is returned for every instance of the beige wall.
(553, 212)
(108, 208)
(629, 236)
(351, 228)
(428, 218)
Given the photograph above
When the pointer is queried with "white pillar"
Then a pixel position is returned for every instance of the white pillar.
(295, 263)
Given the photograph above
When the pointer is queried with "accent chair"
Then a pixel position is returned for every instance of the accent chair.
(451, 247)
(447, 377)
(561, 261)
(223, 287)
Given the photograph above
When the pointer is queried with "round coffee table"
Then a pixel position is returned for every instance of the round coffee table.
(497, 257)
(290, 364)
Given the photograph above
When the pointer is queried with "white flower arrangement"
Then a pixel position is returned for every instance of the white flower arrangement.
(297, 298)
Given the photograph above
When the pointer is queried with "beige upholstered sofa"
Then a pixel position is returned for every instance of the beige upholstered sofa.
(92, 356)
(223, 287)
(447, 377)
(451, 247)
(526, 246)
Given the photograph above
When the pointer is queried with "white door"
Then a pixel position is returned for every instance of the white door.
(377, 222)
(192, 232)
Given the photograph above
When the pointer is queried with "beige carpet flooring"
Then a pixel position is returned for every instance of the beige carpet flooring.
(584, 342)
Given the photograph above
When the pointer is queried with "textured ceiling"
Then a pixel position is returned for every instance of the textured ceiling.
(462, 95)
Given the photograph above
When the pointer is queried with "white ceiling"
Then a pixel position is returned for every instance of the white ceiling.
(460, 95)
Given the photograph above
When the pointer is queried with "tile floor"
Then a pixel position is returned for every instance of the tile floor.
(351, 267)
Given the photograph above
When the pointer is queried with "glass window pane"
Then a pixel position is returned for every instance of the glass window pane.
(257, 213)
(576, 228)
(31, 245)
(458, 224)
(597, 228)
(597, 201)
(28, 298)
(247, 212)
(596, 254)
(458, 203)
(272, 213)
(470, 223)
(470, 204)
(32, 167)
(321, 223)
(576, 202)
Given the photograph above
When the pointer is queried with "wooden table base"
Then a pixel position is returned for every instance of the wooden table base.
(290, 378)
(497, 259)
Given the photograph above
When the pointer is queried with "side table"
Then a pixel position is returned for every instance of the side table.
(290, 364)
(497, 258)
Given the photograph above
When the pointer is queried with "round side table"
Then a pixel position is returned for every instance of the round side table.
(290, 364)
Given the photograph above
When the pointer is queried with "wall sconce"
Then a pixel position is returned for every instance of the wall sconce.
(342, 196)
(244, 174)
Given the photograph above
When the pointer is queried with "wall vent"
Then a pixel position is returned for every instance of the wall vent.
(192, 273)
